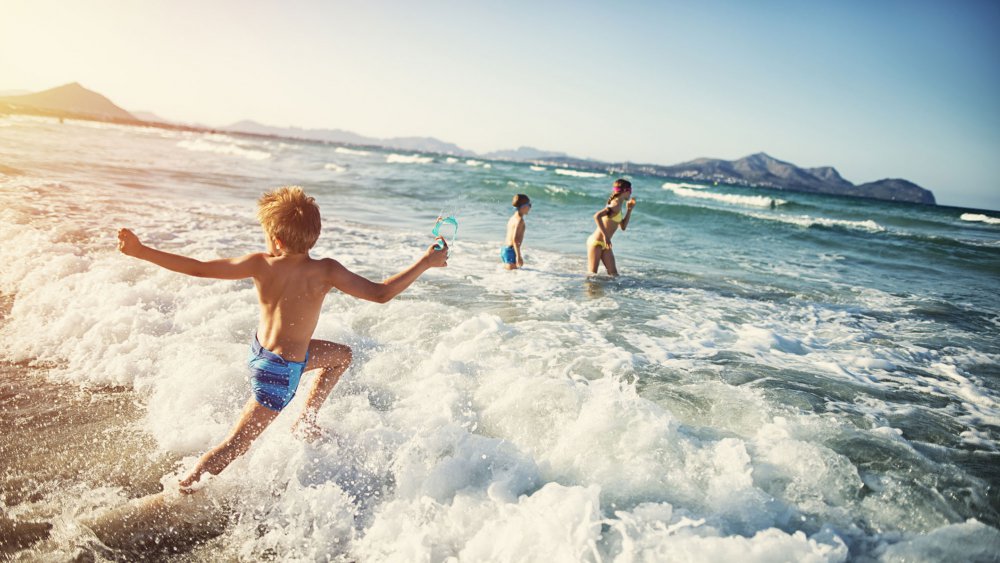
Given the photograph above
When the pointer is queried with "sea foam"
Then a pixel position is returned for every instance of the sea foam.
(701, 193)
(614, 420)
(579, 173)
(443, 423)
(809, 221)
(980, 218)
(221, 144)
(355, 152)
(673, 185)
(408, 159)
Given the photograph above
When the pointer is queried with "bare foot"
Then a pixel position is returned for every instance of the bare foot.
(190, 485)
(306, 429)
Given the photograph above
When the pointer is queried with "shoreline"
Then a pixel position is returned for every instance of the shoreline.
(57, 437)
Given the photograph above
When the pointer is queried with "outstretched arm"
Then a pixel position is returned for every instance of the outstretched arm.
(363, 288)
(223, 269)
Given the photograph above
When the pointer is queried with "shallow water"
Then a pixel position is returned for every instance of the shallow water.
(817, 381)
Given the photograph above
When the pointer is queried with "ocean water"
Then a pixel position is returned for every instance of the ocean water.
(775, 376)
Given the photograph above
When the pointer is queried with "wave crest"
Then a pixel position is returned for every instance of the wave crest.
(980, 218)
(356, 152)
(408, 159)
(808, 221)
(579, 173)
(747, 200)
(230, 148)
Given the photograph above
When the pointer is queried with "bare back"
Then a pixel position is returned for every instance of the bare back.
(291, 289)
(610, 226)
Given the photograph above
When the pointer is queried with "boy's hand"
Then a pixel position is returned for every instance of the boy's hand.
(128, 243)
(438, 257)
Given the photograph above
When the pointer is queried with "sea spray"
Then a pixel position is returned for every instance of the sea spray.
(734, 392)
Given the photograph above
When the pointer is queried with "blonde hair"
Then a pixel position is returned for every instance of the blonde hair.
(289, 215)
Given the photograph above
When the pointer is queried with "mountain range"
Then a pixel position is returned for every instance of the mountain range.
(340, 136)
(763, 170)
(74, 101)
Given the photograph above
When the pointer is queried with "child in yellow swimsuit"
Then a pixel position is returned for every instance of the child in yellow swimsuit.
(614, 216)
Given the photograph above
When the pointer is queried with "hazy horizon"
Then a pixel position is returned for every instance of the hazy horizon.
(891, 90)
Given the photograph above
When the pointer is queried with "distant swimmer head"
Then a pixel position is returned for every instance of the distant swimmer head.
(446, 228)
(522, 203)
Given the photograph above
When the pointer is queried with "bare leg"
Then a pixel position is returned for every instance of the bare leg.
(593, 257)
(608, 257)
(253, 420)
(332, 360)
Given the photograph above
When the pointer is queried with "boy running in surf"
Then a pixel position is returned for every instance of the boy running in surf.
(291, 286)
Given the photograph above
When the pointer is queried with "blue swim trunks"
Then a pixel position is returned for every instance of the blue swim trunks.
(507, 255)
(272, 378)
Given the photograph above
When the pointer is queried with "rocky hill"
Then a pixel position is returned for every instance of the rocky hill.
(895, 189)
(71, 99)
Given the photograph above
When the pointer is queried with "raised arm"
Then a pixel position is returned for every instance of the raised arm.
(628, 213)
(223, 269)
(363, 288)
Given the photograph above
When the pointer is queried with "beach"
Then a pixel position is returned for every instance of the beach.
(791, 376)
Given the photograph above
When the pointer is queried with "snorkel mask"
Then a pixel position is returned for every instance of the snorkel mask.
(450, 227)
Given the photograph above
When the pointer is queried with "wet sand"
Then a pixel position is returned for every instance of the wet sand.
(58, 441)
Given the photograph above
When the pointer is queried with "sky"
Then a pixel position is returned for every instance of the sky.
(877, 89)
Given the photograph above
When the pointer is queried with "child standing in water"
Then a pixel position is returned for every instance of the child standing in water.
(614, 216)
(510, 254)
(291, 286)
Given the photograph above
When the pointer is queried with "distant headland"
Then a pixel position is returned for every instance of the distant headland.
(73, 101)
(762, 170)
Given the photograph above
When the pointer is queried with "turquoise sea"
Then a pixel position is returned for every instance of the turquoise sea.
(776, 376)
